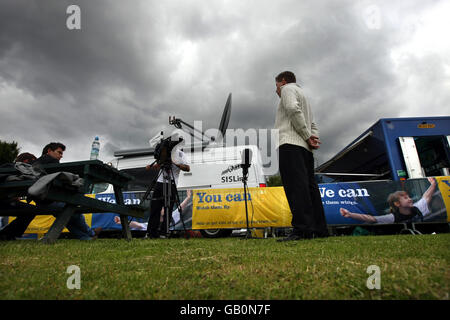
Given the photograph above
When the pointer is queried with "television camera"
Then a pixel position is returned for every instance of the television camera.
(163, 150)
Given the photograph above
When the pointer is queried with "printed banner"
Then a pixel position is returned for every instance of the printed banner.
(42, 223)
(225, 208)
(108, 221)
(413, 200)
(418, 200)
(444, 187)
(344, 204)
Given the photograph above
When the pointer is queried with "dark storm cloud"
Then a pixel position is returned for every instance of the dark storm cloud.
(339, 63)
(135, 63)
(95, 79)
(47, 58)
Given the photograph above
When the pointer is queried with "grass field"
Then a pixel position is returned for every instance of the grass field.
(412, 267)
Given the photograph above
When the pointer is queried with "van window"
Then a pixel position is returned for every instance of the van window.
(142, 178)
(99, 187)
(433, 154)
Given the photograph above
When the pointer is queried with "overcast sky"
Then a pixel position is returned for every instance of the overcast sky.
(134, 63)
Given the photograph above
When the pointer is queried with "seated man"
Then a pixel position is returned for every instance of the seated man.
(26, 158)
(51, 153)
(20, 224)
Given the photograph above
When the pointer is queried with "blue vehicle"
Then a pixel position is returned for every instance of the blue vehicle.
(394, 154)
(393, 148)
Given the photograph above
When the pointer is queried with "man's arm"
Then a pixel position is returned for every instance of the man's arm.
(314, 142)
(314, 129)
(154, 166)
(294, 109)
(183, 162)
(186, 201)
(183, 167)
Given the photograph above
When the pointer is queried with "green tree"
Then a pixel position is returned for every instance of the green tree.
(274, 181)
(8, 151)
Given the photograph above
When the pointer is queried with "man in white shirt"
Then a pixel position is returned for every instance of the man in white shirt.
(155, 228)
(298, 137)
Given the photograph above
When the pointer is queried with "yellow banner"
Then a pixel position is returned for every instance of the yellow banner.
(42, 223)
(225, 208)
(444, 187)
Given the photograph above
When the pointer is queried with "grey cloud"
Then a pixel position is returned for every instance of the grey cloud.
(135, 63)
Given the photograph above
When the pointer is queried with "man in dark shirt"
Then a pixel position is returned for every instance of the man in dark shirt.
(52, 153)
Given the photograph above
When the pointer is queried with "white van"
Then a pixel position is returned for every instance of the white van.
(214, 167)
(219, 167)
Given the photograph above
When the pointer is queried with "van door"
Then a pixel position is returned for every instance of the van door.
(411, 157)
(426, 156)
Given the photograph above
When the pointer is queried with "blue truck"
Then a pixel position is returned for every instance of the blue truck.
(394, 154)
(393, 148)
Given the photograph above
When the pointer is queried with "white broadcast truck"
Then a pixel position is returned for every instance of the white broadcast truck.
(213, 165)
(211, 168)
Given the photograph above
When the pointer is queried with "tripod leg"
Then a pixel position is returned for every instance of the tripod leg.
(167, 199)
(246, 208)
(155, 217)
(151, 186)
(248, 234)
(177, 202)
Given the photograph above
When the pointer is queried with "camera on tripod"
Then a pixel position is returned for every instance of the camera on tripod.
(163, 150)
(166, 189)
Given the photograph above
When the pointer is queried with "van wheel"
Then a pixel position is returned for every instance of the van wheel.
(216, 233)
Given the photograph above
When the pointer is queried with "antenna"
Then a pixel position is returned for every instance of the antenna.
(223, 125)
(225, 117)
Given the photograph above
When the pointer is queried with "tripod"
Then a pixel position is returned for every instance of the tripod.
(248, 234)
(169, 199)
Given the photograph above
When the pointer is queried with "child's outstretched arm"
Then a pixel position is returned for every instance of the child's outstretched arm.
(430, 191)
(358, 216)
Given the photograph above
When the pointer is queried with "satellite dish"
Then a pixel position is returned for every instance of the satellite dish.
(225, 117)
(178, 123)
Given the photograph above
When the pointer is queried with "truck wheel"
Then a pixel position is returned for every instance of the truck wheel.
(216, 233)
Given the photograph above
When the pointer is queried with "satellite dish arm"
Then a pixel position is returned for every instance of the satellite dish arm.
(223, 125)
(178, 124)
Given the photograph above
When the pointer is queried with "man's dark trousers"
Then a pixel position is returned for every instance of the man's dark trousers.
(302, 191)
(155, 227)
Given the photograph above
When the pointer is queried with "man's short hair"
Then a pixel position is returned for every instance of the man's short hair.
(25, 157)
(53, 146)
(288, 76)
(394, 197)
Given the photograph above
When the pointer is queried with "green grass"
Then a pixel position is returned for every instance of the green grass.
(412, 267)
